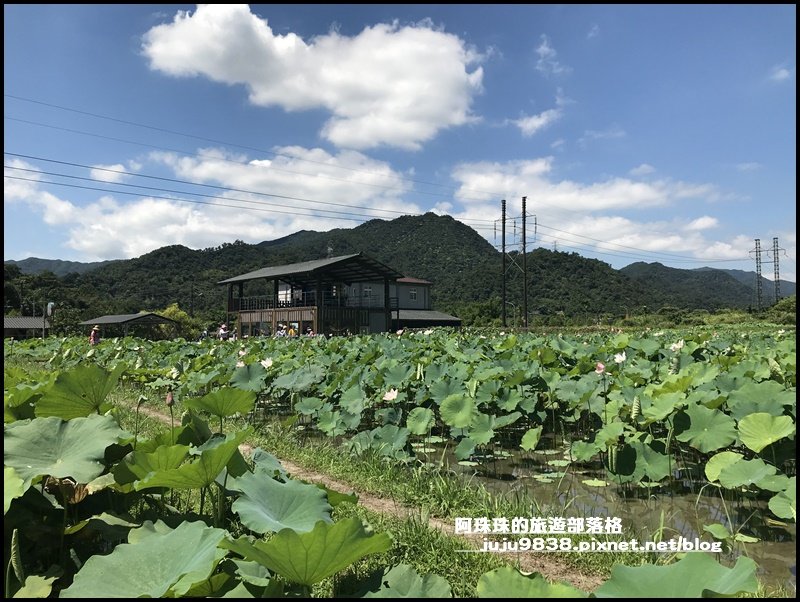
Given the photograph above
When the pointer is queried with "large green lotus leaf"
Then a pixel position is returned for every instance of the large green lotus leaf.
(36, 586)
(531, 438)
(250, 377)
(161, 565)
(784, 504)
(199, 473)
(481, 429)
(180, 435)
(609, 434)
(389, 439)
(59, 448)
(761, 429)
(403, 581)
(397, 376)
(224, 402)
(583, 451)
(444, 388)
(420, 421)
(111, 526)
(464, 449)
(719, 461)
(308, 558)
(267, 505)
(301, 379)
(660, 407)
(137, 465)
(13, 487)
(507, 420)
(745, 472)
(508, 582)
(308, 405)
(709, 430)
(508, 399)
(767, 396)
(487, 392)
(650, 460)
(267, 463)
(457, 410)
(79, 392)
(696, 575)
(353, 399)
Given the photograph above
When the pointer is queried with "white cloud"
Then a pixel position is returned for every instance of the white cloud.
(109, 173)
(781, 73)
(579, 215)
(594, 31)
(642, 170)
(746, 167)
(355, 188)
(703, 223)
(534, 123)
(607, 134)
(548, 62)
(389, 85)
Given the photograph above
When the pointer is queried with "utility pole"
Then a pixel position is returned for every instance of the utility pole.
(524, 270)
(775, 250)
(503, 212)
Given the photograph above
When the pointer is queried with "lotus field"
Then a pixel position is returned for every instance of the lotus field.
(86, 499)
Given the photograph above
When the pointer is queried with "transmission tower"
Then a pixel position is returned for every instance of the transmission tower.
(777, 275)
(513, 261)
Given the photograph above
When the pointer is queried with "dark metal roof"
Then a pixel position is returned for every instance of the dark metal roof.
(409, 280)
(142, 318)
(426, 315)
(345, 268)
(24, 322)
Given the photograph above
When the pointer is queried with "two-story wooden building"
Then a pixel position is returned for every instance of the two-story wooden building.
(339, 295)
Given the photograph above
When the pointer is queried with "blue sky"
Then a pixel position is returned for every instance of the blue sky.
(637, 133)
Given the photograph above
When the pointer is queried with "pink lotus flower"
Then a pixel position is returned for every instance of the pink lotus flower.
(390, 395)
(170, 399)
(600, 368)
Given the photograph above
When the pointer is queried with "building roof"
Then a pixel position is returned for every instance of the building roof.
(426, 315)
(24, 322)
(345, 268)
(409, 280)
(141, 318)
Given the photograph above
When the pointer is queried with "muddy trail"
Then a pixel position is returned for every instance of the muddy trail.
(544, 563)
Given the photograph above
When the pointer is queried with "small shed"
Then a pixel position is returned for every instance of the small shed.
(25, 327)
(141, 324)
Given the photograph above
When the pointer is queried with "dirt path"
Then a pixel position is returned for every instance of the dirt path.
(529, 562)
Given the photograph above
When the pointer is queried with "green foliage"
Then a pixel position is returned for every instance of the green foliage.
(564, 288)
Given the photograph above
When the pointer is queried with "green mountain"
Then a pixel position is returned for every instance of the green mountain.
(34, 265)
(786, 288)
(465, 268)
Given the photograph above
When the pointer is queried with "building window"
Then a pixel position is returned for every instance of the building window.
(412, 294)
(367, 291)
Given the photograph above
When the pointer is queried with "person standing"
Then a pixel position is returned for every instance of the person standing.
(94, 336)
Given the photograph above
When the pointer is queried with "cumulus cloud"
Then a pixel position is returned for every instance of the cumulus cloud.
(548, 63)
(580, 215)
(249, 199)
(642, 170)
(109, 173)
(703, 223)
(389, 85)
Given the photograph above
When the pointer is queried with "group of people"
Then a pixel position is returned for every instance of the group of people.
(290, 331)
